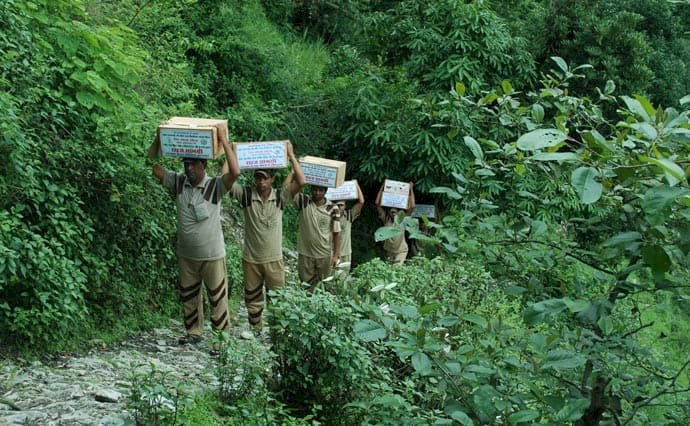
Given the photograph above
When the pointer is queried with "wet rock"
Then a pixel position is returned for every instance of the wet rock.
(107, 395)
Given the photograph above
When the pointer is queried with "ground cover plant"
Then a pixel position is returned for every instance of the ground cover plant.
(553, 290)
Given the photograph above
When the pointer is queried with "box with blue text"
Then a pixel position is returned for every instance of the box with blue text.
(189, 137)
(322, 171)
(261, 155)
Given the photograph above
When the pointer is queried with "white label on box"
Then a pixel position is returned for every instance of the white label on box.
(317, 174)
(346, 191)
(395, 187)
(190, 143)
(259, 155)
(389, 199)
(428, 210)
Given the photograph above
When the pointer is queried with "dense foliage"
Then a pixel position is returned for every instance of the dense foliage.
(554, 133)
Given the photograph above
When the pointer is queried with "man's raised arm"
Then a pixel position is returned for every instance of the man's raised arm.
(299, 179)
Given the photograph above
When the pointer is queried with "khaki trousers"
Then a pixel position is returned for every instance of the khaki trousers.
(272, 274)
(312, 270)
(214, 275)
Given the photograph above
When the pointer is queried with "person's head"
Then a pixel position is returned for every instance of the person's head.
(393, 211)
(318, 193)
(263, 179)
(194, 169)
(340, 204)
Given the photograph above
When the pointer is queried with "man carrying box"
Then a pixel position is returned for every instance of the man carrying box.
(318, 239)
(200, 242)
(262, 254)
(395, 247)
(347, 216)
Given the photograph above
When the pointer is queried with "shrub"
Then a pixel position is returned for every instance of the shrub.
(320, 362)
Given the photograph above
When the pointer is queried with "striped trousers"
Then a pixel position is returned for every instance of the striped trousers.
(256, 276)
(213, 273)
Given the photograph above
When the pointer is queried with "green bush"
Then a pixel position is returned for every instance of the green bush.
(81, 250)
(243, 368)
(321, 365)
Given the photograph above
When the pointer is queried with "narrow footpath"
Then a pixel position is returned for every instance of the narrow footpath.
(93, 389)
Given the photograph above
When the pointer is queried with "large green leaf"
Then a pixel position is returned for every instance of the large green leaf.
(623, 239)
(369, 330)
(573, 410)
(451, 193)
(636, 108)
(538, 312)
(462, 418)
(386, 232)
(595, 140)
(421, 363)
(657, 201)
(523, 416)
(476, 149)
(560, 62)
(672, 171)
(560, 359)
(539, 139)
(475, 319)
(555, 156)
(584, 181)
(656, 257)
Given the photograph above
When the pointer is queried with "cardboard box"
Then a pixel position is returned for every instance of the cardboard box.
(261, 155)
(346, 191)
(192, 137)
(323, 172)
(428, 210)
(395, 194)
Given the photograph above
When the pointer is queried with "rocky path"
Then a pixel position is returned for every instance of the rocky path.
(93, 389)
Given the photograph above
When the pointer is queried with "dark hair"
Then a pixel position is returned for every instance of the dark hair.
(194, 160)
(267, 172)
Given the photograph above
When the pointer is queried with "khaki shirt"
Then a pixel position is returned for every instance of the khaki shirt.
(346, 220)
(263, 223)
(316, 226)
(199, 233)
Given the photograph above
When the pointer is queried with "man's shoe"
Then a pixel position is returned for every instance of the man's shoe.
(189, 340)
(215, 349)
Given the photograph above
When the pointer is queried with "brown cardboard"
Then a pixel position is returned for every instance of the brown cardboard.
(192, 137)
(261, 155)
(322, 171)
(346, 191)
(395, 194)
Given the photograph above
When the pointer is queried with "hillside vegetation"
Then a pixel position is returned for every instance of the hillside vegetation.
(555, 135)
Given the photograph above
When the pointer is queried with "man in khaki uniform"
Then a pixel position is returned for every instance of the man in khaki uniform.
(318, 240)
(395, 247)
(262, 253)
(347, 216)
(200, 242)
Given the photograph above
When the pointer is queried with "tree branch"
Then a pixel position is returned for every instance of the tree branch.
(556, 247)
(642, 327)
(666, 391)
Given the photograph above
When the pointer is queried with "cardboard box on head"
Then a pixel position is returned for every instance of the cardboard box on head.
(323, 172)
(261, 155)
(395, 194)
(346, 191)
(189, 137)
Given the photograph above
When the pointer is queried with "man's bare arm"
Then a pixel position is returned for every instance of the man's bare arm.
(299, 179)
(231, 168)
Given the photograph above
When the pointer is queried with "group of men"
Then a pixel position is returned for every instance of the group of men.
(323, 236)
